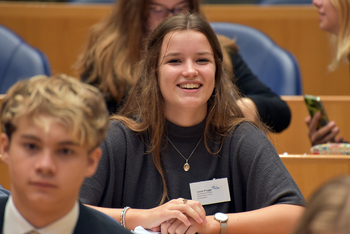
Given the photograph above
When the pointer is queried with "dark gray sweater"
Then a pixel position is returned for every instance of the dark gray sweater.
(126, 175)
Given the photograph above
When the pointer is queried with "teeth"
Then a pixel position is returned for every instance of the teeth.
(189, 86)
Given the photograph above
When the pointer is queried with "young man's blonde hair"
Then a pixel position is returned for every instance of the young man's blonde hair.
(80, 107)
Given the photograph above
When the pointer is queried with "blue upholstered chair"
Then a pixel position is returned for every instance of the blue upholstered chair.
(19, 60)
(273, 2)
(274, 66)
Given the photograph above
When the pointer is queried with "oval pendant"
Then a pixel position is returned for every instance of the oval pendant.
(186, 167)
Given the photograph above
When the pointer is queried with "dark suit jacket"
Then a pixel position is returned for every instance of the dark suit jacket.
(89, 221)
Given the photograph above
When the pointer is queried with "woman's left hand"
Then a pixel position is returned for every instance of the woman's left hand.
(176, 226)
(177, 209)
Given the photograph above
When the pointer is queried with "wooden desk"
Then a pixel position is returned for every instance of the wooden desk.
(311, 171)
(59, 29)
(295, 140)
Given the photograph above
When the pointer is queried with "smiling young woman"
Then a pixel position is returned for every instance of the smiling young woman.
(181, 134)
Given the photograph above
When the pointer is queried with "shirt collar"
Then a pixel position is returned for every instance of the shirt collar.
(15, 223)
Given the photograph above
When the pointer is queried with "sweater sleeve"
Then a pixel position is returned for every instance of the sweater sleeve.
(256, 164)
(104, 188)
(272, 109)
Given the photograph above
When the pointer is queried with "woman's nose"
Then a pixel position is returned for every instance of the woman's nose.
(190, 70)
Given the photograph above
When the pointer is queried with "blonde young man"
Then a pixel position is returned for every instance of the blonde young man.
(51, 131)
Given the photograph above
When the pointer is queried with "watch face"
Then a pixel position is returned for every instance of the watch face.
(221, 216)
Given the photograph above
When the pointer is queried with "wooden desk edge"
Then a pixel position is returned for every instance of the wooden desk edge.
(323, 97)
(314, 156)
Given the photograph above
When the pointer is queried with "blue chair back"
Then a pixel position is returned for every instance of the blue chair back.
(273, 2)
(19, 60)
(274, 66)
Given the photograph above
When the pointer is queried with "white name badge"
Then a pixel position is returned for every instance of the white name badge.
(210, 191)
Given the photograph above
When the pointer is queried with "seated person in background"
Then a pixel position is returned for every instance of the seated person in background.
(115, 46)
(328, 210)
(181, 126)
(334, 18)
(4, 192)
(51, 132)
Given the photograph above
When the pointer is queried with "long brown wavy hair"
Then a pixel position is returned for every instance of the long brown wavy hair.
(143, 111)
(114, 46)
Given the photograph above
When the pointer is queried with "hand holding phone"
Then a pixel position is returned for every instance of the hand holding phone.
(314, 104)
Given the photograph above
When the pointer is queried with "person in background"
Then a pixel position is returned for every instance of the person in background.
(51, 132)
(179, 137)
(328, 210)
(115, 46)
(334, 19)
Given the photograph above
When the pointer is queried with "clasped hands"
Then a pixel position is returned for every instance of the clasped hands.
(177, 216)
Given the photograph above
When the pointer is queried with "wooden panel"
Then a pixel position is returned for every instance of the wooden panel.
(295, 140)
(311, 171)
(59, 30)
(4, 176)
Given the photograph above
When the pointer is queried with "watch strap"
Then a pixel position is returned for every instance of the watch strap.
(223, 227)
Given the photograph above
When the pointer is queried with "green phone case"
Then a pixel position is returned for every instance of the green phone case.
(314, 104)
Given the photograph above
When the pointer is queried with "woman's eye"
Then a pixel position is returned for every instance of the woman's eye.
(203, 60)
(156, 9)
(30, 146)
(174, 61)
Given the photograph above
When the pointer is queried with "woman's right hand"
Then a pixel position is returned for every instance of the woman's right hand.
(177, 209)
(323, 135)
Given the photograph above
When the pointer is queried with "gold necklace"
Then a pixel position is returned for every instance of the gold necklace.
(186, 165)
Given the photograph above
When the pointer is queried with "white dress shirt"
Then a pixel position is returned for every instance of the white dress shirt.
(15, 223)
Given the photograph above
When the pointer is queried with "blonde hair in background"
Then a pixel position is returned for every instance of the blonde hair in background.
(341, 42)
(78, 106)
(328, 210)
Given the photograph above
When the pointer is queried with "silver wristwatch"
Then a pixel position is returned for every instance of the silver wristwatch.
(222, 218)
